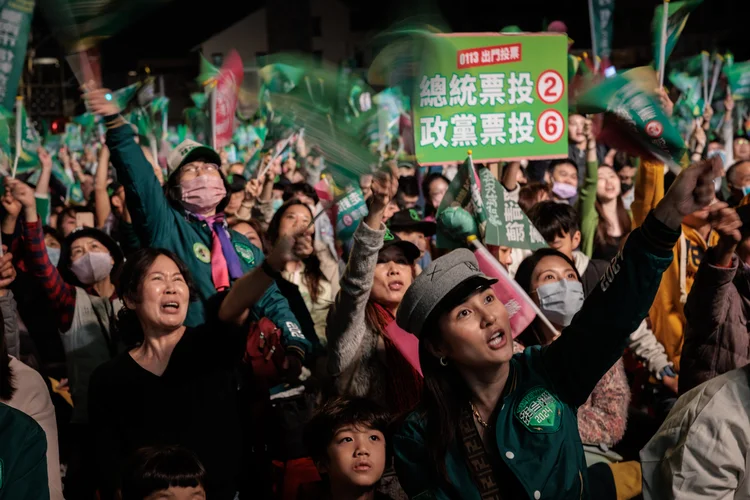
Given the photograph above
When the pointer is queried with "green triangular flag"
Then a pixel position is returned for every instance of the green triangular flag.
(125, 95)
(677, 13)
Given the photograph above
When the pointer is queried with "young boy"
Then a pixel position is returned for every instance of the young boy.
(163, 473)
(408, 225)
(347, 441)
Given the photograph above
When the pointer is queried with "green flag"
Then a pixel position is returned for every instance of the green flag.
(738, 77)
(678, 13)
(73, 137)
(87, 121)
(602, 23)
(633, 116)
(351, 209)
(142, 122)
(463, 192)
(15, 25)
(507, 225)
(125, 95)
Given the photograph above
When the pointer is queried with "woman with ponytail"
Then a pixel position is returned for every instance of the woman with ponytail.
(362, 357)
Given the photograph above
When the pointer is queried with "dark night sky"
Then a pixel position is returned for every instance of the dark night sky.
(174, 29)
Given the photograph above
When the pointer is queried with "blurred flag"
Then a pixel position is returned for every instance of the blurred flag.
(124, 96)
(15, 25)
(463, 192)
(738, 77)
(634, 121)
(677, 13)
(228, 83)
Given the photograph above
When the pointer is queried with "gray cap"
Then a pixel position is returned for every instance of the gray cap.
(189, 150)
(440, 278)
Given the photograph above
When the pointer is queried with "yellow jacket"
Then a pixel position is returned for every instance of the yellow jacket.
(667, 312)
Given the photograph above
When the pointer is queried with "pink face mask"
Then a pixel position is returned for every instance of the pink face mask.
(203, 193)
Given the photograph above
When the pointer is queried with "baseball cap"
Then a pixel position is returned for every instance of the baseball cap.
(437, 282)
(409, 219)
(187, 151)
(411, 252)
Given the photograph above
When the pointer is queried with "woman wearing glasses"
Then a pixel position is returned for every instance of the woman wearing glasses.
(190, 222)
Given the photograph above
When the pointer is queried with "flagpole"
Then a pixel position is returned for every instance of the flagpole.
(704, 65)
(212, 113)
(19, 128)
(594, 48)
(718, 62)
(663, 44)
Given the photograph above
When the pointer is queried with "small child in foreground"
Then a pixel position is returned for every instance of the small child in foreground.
(347, 441)
(163, 473)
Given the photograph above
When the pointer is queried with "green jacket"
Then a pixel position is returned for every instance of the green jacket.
(160, 225)
(23, 457)
(536, 429)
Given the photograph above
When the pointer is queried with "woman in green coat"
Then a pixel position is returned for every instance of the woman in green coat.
(495, 425)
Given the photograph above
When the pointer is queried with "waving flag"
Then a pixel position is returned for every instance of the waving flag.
(677, 13)
(228, 82)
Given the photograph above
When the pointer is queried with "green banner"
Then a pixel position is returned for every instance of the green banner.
(678, 13)
(15, 25)
(602, 12)
(631, 105)
(28, 159)
(507, 225)
(351, 209)
(738, 77)
(500, 96)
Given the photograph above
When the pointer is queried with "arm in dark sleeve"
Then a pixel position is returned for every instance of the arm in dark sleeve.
(144, 195)
(274, 306)
(708, 303)
(596, 338)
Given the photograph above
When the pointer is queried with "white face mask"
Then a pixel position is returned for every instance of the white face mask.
(92, 267)
(560, 301)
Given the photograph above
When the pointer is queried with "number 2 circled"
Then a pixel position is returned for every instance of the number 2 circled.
(550, 87)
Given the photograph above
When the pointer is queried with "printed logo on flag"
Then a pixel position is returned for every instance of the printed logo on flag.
(654, 129)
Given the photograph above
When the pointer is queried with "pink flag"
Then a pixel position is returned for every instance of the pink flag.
(323, 190)
(406, 343)
(228, 84)
(519, 306)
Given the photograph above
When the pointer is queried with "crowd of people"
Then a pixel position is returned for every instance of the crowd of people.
(193, 330)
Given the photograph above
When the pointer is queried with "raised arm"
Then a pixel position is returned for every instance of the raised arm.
(61, 295)
(587, 199)
(144, 196)
(582, 355)
(42, 185)
(346, 326)
(727, 128)
(101, 196)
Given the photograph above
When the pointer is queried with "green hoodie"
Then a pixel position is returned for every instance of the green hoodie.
(161, 225)
(23, 457)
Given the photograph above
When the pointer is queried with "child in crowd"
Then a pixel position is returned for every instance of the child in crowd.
(163, 473)
(347, 440)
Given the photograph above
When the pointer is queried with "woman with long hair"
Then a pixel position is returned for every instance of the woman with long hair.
(362, 357)
(317, 290)
(551, 280)
(434, 187)
(493, 424)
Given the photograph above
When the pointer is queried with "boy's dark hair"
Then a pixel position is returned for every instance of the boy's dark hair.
(158, 468)
(554, 219)
(300, 187)
(341, 412)
(408, 185)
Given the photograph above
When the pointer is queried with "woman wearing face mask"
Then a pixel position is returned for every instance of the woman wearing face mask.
(551, 280)
(317, 290)
(190, 221)
(493, 424)
(361, 356)
(81, 291)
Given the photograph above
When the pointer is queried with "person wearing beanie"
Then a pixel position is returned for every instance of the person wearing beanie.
(491, 422)
(187, 218)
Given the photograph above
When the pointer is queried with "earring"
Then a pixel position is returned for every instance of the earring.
(443, 361)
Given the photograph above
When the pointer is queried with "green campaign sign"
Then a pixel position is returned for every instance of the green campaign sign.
(504, 96)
